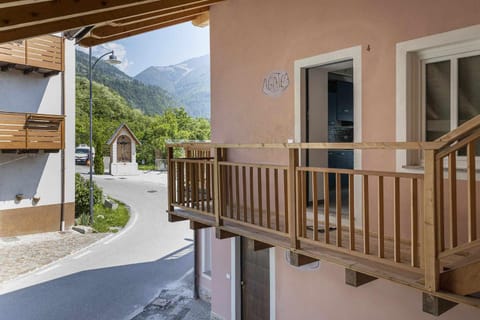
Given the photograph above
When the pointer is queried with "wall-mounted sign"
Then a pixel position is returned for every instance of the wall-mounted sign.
(275, 83)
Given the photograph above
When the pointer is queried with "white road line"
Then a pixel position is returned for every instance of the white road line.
(135, 218)
(48, 269)
(82, 254)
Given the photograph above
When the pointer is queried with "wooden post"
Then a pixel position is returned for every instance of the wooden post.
(429, 224)
(170, 178)
(292, 217)
(216, 186)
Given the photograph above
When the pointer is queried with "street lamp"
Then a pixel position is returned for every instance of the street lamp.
(112, 59)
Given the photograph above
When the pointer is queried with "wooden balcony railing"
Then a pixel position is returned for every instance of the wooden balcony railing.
(44, 54)
(402, 226)
(29, 131)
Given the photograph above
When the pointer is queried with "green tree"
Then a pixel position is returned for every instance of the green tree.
(98, 160)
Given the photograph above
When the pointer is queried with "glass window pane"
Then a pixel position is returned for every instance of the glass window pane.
(437, 93)
(468, 91)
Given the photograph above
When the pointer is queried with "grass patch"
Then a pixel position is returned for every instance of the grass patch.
(146, 167)
(107, 220)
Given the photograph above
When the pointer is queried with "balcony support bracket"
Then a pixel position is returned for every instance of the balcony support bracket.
(299, 260)
(257, 245)
(222, 234)
(175, 218)
(194, 225)
(435, 305)
(357, 279)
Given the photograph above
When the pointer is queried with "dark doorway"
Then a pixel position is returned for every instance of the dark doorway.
(255, 282)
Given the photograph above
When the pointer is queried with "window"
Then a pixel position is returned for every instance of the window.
(451, 92)
(437, 80)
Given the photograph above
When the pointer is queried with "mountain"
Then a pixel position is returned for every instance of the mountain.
(188, 82)
(149, 99)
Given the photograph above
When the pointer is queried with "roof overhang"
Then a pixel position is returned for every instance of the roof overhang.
(107, 20)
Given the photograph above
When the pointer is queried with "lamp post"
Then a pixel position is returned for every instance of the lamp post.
(112, 59)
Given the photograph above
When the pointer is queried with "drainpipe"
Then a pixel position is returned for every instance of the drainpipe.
(62, 156)
(196, 295)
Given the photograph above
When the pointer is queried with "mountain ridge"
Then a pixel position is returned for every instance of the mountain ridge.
(188, 82)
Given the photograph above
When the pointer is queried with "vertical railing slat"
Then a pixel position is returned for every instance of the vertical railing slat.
(472, 205)
(292, 165)
(338, 211)
(351, 210)
(244, 191)
(440, 206)
(252, 203)
(396, 219)
(365, 217)
(208, 193)
(237, 192)
(326, 206)
(277, 213)
(259, 193)
(381, 219)
(315, 205)
(452, 180)
(286, 198)
(414, 222)
(267, 195)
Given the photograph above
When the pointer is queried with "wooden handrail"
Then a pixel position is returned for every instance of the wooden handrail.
(462, 131)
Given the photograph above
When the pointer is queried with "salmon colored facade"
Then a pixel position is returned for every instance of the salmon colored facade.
(249, 40)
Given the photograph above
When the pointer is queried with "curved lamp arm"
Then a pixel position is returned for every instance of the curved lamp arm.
(99, 58)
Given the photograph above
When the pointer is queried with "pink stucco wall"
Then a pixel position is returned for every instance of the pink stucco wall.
(322, 295)
(251, 38)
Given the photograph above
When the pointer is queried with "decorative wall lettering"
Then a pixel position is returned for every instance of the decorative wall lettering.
(275, 83)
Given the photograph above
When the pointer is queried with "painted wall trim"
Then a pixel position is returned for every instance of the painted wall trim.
(235, 294)
(273, 295)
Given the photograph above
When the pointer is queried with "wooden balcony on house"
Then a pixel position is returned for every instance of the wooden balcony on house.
(44, 55)
(417, 229)
(31, 132)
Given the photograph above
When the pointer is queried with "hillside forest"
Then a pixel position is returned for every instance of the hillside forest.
(110, 110)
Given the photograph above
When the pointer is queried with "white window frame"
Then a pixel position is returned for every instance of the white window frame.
(206, 235)
(410, 58)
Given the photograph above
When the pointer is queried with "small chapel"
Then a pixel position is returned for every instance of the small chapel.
(123, 143)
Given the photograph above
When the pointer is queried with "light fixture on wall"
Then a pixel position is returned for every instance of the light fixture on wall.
(112, 59)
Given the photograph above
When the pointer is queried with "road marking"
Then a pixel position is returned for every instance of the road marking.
(48, 269)
(82, 254)
(129, 226)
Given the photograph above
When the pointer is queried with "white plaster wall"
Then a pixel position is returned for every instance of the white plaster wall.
(38, 174)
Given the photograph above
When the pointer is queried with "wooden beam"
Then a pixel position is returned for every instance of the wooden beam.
(222, 234)
(194, 225)
(356, 279)
(174, 218)
(257, 245)
(464, 280)
(299, 260)
(92, 41)
(202, 20)
(435, 305)
(20, 22)
(118, 28)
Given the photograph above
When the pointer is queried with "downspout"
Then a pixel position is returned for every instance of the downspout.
(62, 153)
(196, 294)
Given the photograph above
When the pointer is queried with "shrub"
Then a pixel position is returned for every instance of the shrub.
(98, 160)
(82, 195)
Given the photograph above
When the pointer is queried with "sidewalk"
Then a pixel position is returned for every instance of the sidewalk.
(176, 302)
(21, 254)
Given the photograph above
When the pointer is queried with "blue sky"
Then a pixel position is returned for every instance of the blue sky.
(159, 48)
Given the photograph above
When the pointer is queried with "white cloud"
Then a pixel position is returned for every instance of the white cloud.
(118, 49)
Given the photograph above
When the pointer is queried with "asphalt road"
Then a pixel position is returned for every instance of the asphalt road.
(118, 276)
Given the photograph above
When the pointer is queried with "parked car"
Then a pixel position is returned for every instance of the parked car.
(82, 154)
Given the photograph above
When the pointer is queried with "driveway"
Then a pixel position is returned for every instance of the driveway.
(118, 276)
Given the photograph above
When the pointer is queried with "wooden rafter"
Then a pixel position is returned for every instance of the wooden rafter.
(91, 41)
(109, 30)
(25, 19)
